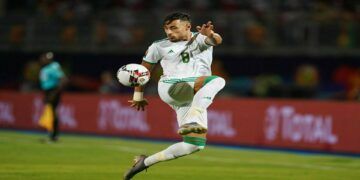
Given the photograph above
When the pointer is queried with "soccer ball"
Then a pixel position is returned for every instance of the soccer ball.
(133, 75)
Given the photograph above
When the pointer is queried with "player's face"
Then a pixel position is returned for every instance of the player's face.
(44, 60)
(177, 30)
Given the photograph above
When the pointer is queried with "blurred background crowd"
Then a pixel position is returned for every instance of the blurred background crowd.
(272, 48)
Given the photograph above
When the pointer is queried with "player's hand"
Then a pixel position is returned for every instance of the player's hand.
(139, 105)
(206, 29)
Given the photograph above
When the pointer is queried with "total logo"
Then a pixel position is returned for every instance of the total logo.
(6, 113)
(285, 123)
(113, 115)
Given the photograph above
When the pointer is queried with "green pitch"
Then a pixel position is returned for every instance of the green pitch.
(22, 156)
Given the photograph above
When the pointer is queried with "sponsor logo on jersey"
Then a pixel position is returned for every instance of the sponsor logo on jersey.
(171, 51)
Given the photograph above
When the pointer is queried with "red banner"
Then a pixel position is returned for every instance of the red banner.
(309, 125)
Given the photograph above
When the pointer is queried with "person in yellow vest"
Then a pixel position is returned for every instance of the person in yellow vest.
(52, 82)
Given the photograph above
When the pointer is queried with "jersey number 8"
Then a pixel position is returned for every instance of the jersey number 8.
(185, 57)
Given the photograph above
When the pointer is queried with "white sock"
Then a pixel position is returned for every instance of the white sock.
(172, 152)
(204, 97)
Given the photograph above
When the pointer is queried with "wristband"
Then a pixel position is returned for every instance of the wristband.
(138, 96)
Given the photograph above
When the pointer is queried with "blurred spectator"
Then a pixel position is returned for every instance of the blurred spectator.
(46, 8)
(264, 82)
(297, 22)
(347, 34)
(2, 8)
(323, 11)
(295, 5)
(306, 81)
(122, 28)
(343, 40)
(255, 34)
(230, 5)
(17, 33)
(292, 30)
(260, 6)
(75, 9)
(138, 35)
(68, 35)
(349, 78)
(135, 4)
(109, 84)
(168, 5)
(120, 35)
(354, 92)
(307, 76)
(101, 33)
(200, 5)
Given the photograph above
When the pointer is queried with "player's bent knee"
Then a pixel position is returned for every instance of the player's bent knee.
(223, 81)
(197, 142)
(220, 82)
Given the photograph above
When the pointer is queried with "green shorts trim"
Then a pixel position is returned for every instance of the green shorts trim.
(177, 80)
(208, 79)
(197, 141)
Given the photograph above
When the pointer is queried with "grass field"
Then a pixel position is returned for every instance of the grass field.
(22, 156)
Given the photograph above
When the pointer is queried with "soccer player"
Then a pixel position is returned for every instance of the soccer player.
(186, 85)
(52, 81)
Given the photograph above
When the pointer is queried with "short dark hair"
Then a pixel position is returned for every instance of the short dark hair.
(175, 16)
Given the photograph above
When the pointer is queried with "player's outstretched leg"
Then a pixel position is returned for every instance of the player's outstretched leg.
(137, 167)
(190, 145)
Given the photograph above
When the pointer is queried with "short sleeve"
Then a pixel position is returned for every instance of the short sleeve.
(57, 70)
(152, 55)
(201, 41)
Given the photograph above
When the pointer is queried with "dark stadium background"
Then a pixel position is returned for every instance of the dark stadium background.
(265, 42)
(290, 108)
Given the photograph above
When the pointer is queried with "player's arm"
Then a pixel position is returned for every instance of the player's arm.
(138, 101)
(152, 56)
(207, 30)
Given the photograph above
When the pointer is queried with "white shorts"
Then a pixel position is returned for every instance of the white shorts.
(178, 94)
